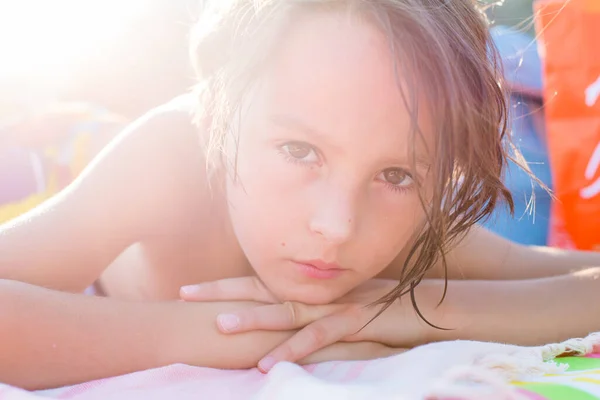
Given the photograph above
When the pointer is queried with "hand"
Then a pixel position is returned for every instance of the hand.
(350, 351)
(319, 325)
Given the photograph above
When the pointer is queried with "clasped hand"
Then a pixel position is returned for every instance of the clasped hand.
(349, 319)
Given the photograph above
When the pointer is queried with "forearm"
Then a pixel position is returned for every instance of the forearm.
(52, 339)
(539, 261)
(485, 255)
(525, 312)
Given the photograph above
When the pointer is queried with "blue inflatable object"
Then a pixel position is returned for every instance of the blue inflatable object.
(523, 72)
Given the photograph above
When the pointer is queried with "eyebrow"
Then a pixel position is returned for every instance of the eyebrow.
(289, 122)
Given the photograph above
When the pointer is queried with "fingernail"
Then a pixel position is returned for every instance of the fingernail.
(228, 322)
(266, 364)
(191, 289)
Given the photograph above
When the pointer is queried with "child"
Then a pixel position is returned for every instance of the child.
(340, 141)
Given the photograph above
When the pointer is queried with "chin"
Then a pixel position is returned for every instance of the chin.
(307, 294)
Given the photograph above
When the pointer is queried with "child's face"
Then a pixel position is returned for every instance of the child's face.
(323, 163)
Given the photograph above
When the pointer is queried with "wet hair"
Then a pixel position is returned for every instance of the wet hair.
(444, 55)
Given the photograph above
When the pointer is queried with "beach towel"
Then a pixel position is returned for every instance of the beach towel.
(453, 370)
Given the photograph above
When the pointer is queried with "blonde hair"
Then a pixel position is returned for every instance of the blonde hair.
(447, 56)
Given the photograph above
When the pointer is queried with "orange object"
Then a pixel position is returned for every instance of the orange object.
(569, 40)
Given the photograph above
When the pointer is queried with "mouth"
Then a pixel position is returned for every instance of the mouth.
(318, 269)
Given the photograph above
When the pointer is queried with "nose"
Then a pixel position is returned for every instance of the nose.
(334, 216)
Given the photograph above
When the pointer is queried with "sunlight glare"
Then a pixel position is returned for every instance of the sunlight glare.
(42, 40)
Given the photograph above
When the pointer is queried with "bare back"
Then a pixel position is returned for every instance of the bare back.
(142, 208)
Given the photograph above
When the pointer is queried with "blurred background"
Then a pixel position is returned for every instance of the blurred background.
(73, 73)
(513, 13)
(127, 55)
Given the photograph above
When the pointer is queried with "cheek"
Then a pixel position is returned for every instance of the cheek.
(262, 171)
(408, 219)
(395, 219)
(399, 212)
(269, 182)
(265, 203)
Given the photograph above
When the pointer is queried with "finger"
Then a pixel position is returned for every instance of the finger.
(234, 289)
(313, 337)
(341, 351)
(274, 317)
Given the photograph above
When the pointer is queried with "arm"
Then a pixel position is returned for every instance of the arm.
(126, 194)
(485, 255)
(51, 339)
(522, 312)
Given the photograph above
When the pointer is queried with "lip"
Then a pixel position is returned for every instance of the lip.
(318, 269)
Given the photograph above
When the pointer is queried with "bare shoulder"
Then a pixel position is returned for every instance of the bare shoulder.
(156, 168)
(146, 183)
(185, 223)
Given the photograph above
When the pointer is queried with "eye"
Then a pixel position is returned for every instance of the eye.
(300, 152)
(396, 177)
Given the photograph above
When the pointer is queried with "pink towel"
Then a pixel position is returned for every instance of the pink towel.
(438, 371)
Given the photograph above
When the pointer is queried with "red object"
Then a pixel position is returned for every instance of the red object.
(569, 31)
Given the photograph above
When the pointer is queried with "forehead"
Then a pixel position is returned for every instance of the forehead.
(335, 72)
